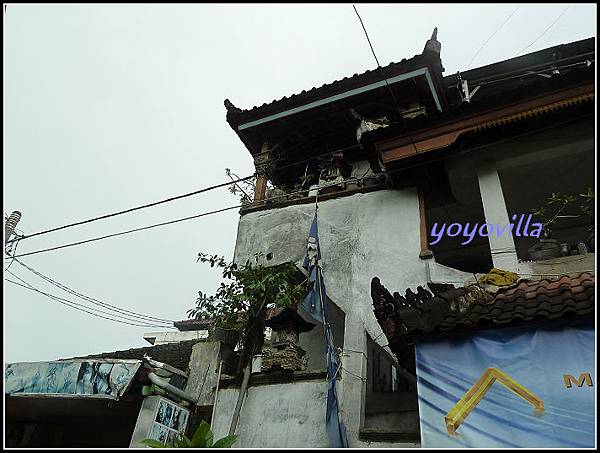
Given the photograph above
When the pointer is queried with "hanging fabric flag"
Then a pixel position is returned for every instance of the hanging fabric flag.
(315, 304)
(312, 303)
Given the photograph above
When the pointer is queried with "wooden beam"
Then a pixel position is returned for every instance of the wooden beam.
(444, 135)
(261, 189)
(260, 163)
(425, 253)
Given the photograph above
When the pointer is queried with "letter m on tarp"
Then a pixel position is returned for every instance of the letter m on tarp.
(584, 378)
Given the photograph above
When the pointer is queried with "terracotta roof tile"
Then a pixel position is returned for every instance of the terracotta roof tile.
(526, 301)
(529, 300)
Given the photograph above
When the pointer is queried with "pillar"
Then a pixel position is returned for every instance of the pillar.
(504, 253)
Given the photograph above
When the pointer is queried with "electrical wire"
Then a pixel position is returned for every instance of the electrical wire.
(551, 68)
(72, 244)
(401, 169)
(12, 250)
(545, 31)
(137, 208)
(23, 236)
(492, 35)
(94, 301)
(207, 189)
(76, 305)
(398, 107)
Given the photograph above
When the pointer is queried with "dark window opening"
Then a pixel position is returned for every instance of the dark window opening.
(453, 197)
(391, 403)
(563, 163)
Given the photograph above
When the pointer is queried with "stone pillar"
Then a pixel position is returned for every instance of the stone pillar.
(504, 254)
(352, 388)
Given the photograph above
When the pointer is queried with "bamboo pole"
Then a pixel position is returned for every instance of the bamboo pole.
(238, 406)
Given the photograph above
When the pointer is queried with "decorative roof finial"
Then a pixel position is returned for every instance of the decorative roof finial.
(433, 45)
(229, 105)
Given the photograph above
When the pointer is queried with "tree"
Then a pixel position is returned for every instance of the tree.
(241, 301)
(550, 212)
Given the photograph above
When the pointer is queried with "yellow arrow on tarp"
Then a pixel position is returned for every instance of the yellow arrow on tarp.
(476, 393)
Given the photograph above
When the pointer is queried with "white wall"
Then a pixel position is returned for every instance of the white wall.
(276, 415)
(361, 236)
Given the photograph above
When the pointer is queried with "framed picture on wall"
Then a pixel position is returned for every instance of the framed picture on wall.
(170, 419)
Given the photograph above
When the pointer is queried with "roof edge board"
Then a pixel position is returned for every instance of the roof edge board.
(424, 71)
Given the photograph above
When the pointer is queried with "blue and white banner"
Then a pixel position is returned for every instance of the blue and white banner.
(512, 387)
(100, 379)
(315, 304)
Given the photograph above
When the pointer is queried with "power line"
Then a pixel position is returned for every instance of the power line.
(545, 31)
(72, 244)
(75, 305)
(404, 168)
(137, 208)
(493, 34)
(94, 301)
(398, 107)
(376, 59)
(421, 163)
(233, 181)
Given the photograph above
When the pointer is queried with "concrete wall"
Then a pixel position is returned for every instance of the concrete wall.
(361, 236)
(276, 415)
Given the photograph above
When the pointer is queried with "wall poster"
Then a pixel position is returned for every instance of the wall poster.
(169, 420)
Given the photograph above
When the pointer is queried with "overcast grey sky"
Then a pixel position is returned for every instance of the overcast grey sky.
(108, 107)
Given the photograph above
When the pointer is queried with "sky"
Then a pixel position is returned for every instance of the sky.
(107, 107)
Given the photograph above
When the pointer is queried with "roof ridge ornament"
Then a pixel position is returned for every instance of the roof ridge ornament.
(232, 110)
(433, 45)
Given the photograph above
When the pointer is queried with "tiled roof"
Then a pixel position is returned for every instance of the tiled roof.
(527, 301)
(175, 354)
(237, 116)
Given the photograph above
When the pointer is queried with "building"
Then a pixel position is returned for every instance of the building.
(404, 163)
(394, 155)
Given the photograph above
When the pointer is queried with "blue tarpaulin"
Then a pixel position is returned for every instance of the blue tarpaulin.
(100, 379)
(550, 368)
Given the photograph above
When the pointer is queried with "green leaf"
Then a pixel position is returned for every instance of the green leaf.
(225, 442)
(182, 441)
(152, 443)
(202, 435)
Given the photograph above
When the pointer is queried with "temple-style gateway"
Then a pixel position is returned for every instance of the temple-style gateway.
(487, 342)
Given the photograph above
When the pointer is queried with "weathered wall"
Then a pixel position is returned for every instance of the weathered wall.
(361, 236)
(276, 415)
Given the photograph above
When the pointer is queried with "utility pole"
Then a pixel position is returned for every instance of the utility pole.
(10, 225)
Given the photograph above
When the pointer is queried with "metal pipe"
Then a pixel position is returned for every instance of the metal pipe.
(156, 380)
